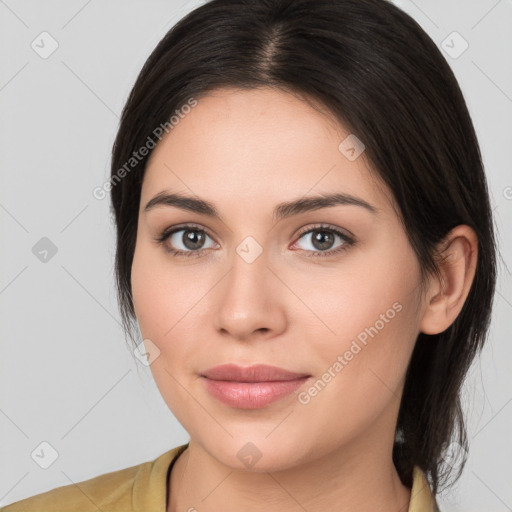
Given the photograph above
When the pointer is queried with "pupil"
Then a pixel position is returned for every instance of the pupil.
(192, 239)
(323, 239)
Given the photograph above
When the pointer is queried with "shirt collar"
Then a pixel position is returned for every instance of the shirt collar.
(150, 486)
(422, 499)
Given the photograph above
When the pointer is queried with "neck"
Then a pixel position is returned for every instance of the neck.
(356, 478)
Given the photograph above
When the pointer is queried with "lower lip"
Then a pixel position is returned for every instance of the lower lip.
(251, 395)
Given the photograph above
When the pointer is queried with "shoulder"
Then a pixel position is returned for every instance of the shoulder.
(133, 488)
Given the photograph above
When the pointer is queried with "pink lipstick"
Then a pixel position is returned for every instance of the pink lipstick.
(251, 387)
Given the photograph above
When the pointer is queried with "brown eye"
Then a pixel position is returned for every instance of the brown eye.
(192, 240)
(322, 239)
(185, 240)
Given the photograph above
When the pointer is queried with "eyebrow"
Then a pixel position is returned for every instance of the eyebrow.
(281, 211)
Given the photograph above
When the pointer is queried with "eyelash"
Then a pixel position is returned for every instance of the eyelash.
(164, 236)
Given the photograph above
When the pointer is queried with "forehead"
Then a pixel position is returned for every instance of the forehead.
(258, 144)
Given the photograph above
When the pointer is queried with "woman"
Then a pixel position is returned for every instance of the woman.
(304, 239)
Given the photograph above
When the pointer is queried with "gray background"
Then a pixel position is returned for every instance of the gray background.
(67, 375)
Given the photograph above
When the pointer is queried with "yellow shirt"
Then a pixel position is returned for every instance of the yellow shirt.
(143, 488)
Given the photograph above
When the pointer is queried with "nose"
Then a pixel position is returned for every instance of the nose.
(250, 301)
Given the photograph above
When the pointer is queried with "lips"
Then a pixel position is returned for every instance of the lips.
(251, 387)
(256, 373)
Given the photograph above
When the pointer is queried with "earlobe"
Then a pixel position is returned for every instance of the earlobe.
(445, 297)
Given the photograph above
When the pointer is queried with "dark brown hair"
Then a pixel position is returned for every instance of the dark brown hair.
(378, 72)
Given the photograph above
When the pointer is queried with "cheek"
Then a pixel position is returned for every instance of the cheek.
(160, 307)
(159, 293)
(372, 294)
(169, 304)
(147, 295)
(152, 293)
(359, 375)
(372, 314)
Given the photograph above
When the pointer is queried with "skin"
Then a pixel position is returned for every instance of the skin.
(246, 152)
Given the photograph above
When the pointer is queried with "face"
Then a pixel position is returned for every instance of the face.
(330, 292)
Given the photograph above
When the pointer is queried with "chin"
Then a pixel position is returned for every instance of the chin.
(256, 454)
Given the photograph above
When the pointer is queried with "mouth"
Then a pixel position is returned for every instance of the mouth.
(251, 387)
(255, 373)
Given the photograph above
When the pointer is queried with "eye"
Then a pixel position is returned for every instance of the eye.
(185, 241)
(322, 241)
(189, 240)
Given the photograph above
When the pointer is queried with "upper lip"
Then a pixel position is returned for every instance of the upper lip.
(256, 373)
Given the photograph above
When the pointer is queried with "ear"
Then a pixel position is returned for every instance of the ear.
(445, 298)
